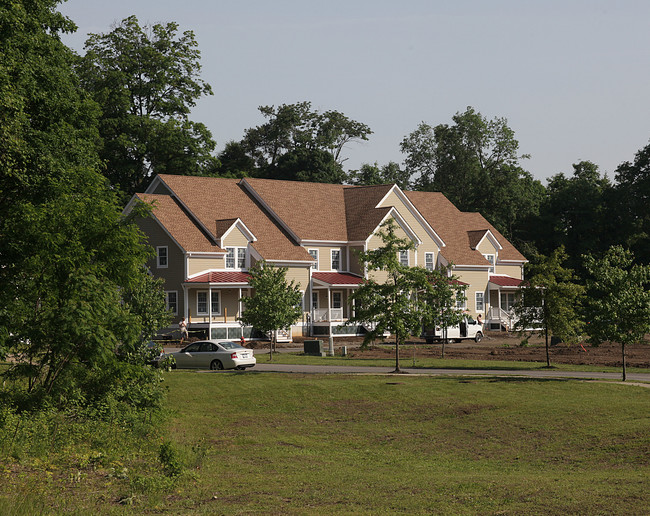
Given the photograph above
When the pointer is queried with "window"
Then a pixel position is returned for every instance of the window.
(314, 255)
(461, 301)
(507, 300)
(428, 261)
(490, 258)
(337, 299)
(235, 257)
(336, 259)
(202, 303)
(241, 257)
(171, 301)
(404, 258)
(161, 257)
(480, 306)
(314, 300)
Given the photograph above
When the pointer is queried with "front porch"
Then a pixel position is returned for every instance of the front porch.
(503, 293)
(330, 307)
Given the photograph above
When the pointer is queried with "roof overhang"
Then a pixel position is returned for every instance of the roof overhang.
(336, 279)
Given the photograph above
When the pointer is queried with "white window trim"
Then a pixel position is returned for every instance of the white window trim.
(218, 294)
(235, 251)
(433, 263)
(476, 296)
(175, 292)
(494, 261)
(315, 267)
(339, 292)
(408, 258)
(158, 248)
(332, 251)
(207, 302)
(315, 305)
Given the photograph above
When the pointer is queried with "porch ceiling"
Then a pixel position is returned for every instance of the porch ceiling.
(339, 279)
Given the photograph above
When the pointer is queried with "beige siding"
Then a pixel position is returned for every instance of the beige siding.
(514, 271)
(428, 245)
(199, 264)
(376, 242)
(174, 274)
(486, 247)
(300, 275)
(235, 239)
(478, 281)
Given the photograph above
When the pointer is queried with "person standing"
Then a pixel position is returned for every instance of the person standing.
(183, 327)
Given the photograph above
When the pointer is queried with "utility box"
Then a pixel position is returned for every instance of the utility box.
(314, 348)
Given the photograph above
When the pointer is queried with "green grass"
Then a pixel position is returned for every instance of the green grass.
(406, 361)
(310, 444)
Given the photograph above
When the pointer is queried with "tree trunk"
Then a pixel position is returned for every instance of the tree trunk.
(624, 371)
(444, 341)
(548, 357)
(271, 346)
(397, 369)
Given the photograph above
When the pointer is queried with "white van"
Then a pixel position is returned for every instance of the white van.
(467, 329)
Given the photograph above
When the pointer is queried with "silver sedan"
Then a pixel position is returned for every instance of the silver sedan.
(213, 354)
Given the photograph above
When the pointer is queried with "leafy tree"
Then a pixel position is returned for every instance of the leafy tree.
(575, 215)
(440, 297)
(630, 205)
(551, 297)
(397, 305)
(67, 255)
(618, 307)
(146, 80)
(298, 143)
(275, 304)
(474, 162)
(391, 173)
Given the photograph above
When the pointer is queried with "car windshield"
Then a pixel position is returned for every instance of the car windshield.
(229, 345)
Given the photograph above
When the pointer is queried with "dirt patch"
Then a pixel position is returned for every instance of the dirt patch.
(504, 346)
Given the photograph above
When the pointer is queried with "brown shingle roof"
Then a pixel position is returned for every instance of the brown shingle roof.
(213, 199)
(181, 227)
(361, 215)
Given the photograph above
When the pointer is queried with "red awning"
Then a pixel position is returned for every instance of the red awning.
(337, 278)
(222, 277)
(505, 281)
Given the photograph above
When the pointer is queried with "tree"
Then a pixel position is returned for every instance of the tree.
(146, 80)
(275, 304)
(396, 305)
(632, 198)
(474, 162)
(67, 256)
(551, 297)
(298, 143)
(618, 307)
(575, 215)
(391, 173)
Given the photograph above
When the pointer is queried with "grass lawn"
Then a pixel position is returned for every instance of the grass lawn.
(309, 444)
(433, 363)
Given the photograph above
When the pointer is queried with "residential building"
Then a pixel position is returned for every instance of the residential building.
(207, 233)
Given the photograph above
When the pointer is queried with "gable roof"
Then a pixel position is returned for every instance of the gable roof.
(212, 199)
(187, 234)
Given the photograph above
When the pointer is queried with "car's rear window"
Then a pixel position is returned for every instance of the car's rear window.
(229, 345)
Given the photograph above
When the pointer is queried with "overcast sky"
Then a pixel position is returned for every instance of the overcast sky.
(571, 76)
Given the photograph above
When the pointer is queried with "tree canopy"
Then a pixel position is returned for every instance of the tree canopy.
(68, 259)
(296, 143)
(146, 80)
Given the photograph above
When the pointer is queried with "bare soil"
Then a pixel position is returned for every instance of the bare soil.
(507, 346)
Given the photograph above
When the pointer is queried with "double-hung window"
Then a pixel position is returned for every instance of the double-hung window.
(161, 258)
(235, 257)
(336, 259)
(490, 259)
(171, 301)
(241, 257)
(314, 255)
(428, 261)
(202, 298)
(404, 258)
(480, 305)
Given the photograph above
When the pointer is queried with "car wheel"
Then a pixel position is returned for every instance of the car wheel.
(216, 364)
(478, 336)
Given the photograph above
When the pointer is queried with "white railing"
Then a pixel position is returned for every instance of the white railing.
(508, 319)
(320, 315)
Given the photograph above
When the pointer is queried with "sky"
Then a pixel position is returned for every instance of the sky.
(572, 77)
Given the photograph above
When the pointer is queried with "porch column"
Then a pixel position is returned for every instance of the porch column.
(209, 312)
(239, 303)
(329, 307)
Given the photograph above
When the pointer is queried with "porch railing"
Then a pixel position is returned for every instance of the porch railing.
(507, 318)
(321, 315)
